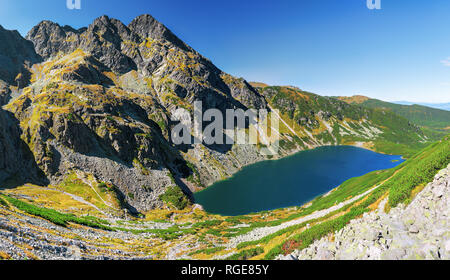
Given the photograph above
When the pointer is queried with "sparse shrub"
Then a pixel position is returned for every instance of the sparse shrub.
(247, 254)
(208, 251)
(102, 186)
(52, 85)
(54, 216)
(3, 203)
(175, 197)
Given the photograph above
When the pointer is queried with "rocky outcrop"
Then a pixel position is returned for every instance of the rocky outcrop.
(419, 231)
(151, 48)
(8, 148)
(16, 162)
(17, 55)
(148, 27)
(50, 38)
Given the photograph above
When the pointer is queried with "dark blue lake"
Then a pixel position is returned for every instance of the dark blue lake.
(292, 181)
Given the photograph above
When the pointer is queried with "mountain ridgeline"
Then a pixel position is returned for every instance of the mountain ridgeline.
(418, 114)
(97, 103)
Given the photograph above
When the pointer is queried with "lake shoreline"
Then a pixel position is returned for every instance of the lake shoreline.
(294, 153)
(323, 189)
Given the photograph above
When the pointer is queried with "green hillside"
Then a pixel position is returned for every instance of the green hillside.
(337, 122)
(418, 114)
(399, 185)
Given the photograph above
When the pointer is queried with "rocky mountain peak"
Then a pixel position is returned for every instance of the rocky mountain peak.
(49, 38)
(103, 97)
(151, 49)
(147, 26)
(113, 26)
(47, 28)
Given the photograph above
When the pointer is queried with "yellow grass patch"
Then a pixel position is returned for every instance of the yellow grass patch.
(53, 199)
(4, 256)
(357, 99)
(376, 204)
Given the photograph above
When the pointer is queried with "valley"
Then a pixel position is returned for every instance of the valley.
(88, 168)
(193, 233)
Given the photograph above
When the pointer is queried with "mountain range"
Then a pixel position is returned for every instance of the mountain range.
(88, 168)
(97, 103)
(441, 106)
(419, 114)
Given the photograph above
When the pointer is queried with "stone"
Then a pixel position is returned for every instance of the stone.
(374, 253)
(429, 252)
(371, 234)
(324, 255)
(447, 246)
(289, 258)
(413, 229)
(438, 191)
(393, 254)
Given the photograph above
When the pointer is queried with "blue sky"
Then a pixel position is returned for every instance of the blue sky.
(330, 47)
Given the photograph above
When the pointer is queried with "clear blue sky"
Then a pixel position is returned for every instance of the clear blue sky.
(330, 47)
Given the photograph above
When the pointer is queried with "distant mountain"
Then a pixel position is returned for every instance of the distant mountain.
(441, 106)
(418, 114)
(336, 122)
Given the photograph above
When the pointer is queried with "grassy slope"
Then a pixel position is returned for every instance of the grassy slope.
(412, 174)
(399, 185)
(53, 216)
(421, 115)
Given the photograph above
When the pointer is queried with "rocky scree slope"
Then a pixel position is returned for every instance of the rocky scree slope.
(419, 231)
(98, 101)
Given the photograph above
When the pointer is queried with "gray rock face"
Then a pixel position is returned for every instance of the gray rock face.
(148, 27)
(151, 48)
(8, 148)
(49, 38)
(15, 159)
(122, 140)
(419, 231)
(17, 55)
